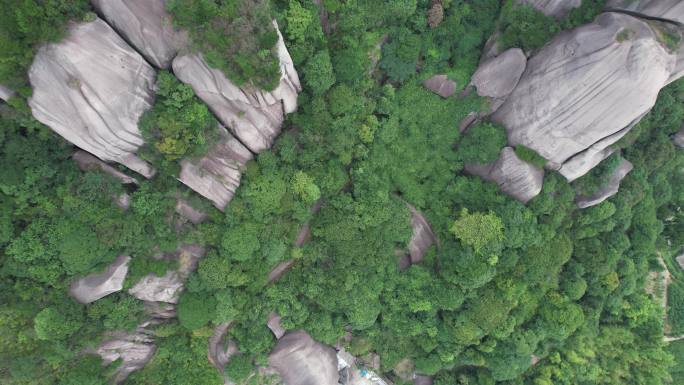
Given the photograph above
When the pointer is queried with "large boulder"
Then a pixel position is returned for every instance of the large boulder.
(515, 177)
(423, 237)
(95, 286)
(440, 85)
(91, 88)
(586, 87)
(665, 9)
(5, 93)
(254, 116)
(611, 187)
(133, 349)
(497, 77)
(146, 25)
(300, 360)
(556, 8)
(216, 175)
(87, 162)
(168, 287)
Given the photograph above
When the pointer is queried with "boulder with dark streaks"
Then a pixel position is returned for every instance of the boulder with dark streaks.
(300, 360)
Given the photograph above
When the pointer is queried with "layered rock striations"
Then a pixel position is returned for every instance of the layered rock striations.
(300, 360)
(216, 175)
(252, 115)
(586, 88)
(515, 177)
(144, 24)
(91, 88)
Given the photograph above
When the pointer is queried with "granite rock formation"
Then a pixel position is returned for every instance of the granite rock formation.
(610, 188)
(95, 286)
(144, 24)
(5, 93)
(515, 177)
(253, 116)
(497, 76)
(586, 88)
(423, 237)
(134, 350)
(91, 88)
(440, 85)
(678, 138)
(168, 287)
(300, 360)
(665, 9)
(216, 175)
(556, 8)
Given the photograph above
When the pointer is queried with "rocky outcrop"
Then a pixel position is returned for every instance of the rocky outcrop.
(216, 175)
(423, 237)
(586, 86)
(300, 360)
(678, 138)
(610, 188)
(91, 88)
(168, 287)
(515, 177)
(218, 353)
(134, 350)
(144, 24)
(497, 76)
(665, 9)
(254, 116)
(185, 210)
(440, 85)
(556, 8)
(274, 324)
(422, 380)
(87, 162)
(5, 93)
(95, 286)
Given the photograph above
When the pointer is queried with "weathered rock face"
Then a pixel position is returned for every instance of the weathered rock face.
(274, 324)
(95, 286)
(678, 138)
(216, 175)
(218, 353)
(515, 177)
(586, 86)
(611, 187)
(497, 76)
(441, 85)
(91, 88)
(253, 116)
(134, 350)
(185, 209)
(302, 361)
(145, 24)
(5, 93)
(666, 9)
(556, 8)
(168, 288)
(422, 238)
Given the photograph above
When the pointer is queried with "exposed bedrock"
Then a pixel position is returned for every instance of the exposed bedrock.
(586, 86)
(664, 9)
(145, 25)
(678, 138)
(216, 175)
(497, 76)
(611, 187)
(300, 360)
(5, 93)
(168, 288)
(515, 177)
(95, 286)
(87, 162)
(556, 8)
(440, 85)
(91, 88)
(421, 240)
(134, 349)
(254, 116)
